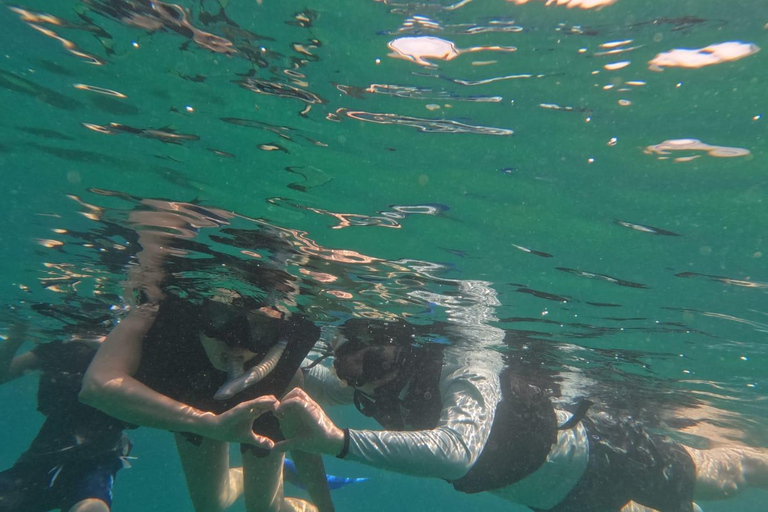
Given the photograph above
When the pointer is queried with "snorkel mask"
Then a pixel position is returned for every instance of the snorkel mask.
(375, 342)
(250, 329)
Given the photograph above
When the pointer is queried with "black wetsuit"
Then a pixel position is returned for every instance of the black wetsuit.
(78, 450)
(174, 363)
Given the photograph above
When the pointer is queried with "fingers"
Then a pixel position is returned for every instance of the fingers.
(266, 399)
(288, 445)
(297, 393)
(259, 405)
(296, 398)
(291, 406)
(262, 442)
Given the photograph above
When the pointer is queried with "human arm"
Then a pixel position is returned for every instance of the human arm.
(109, 385)
(11, 365)
(324, 387)
(448, 451)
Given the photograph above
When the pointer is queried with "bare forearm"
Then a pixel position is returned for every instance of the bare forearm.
(109, 384)
(312, 472)
(129, 400)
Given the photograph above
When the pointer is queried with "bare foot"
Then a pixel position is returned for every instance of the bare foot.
(723, 472)
(297, 505)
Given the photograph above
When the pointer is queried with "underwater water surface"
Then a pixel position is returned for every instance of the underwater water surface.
(602, 169)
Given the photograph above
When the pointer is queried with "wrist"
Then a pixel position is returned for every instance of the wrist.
(205, 424)
(341, 443)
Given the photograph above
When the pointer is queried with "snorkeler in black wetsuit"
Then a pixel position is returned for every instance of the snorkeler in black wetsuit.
(186, 356)
(72, 462)
(208, 367)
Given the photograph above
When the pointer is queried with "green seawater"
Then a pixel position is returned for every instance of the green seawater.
(647, 260)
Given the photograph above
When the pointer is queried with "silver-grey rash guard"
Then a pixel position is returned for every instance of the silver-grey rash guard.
(470, 391)
(469, 394)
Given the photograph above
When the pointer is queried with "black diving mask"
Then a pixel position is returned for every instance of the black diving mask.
(241, 328)
(376, 365)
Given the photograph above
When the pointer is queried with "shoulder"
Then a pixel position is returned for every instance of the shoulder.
(48, 353)
(461, 384)
(58, 356)
(300, 326)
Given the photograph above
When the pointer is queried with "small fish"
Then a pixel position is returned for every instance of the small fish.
(455, 252)
(604, 304)
(196, 78)
(725, 280)
(645, 229)
(272, 147)
(602, 277)
(544, 295)
(218, 152)
(531, 251)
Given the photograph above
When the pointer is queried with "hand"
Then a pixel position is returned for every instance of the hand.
(236, 424)
(306, 427)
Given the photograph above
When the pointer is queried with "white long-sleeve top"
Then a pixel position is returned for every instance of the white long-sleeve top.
(469, 395)
(469, 391)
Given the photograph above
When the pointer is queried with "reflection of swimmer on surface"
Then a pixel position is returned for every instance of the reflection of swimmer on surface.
(419, 49)
(583, 4)
(72, 462)
(664, 148)
(497, 433)
(207, 368)
(700, 57)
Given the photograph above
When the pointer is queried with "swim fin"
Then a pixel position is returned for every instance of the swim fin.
(334, 482)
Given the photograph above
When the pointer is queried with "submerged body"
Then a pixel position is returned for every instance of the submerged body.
(481, 432)
(163, 365)
(73, 460)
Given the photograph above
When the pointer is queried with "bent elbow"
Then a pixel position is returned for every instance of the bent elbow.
(458, 458)
(91, 391)
(458, 467)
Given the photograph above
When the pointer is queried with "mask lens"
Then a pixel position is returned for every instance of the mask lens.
(376, 364)
(226, 324)
(264, 331)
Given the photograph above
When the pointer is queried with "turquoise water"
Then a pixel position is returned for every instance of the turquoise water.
(646, 265)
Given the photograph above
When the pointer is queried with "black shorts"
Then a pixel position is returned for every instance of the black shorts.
(35, 487)
(627, 463)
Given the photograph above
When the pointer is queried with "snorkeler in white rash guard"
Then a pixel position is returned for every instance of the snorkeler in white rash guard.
(450, 414)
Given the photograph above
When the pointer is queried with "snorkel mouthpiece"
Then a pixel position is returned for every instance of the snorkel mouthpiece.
(240, 380)
(235, 367)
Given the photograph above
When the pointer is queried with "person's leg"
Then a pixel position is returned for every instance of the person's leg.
(213, 487)
(263, 481)
(635, 507)
(90, 505)
(723, 472)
